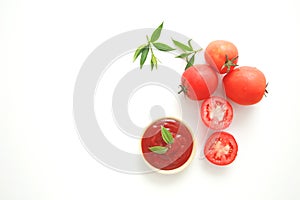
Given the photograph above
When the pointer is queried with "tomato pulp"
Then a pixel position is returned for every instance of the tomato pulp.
(221, 148)
(216, 113)
(178, 152)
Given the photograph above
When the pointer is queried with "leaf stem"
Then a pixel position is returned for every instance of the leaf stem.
(150, 44)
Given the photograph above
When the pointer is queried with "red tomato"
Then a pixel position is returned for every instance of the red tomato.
(199, 82)
(216, 113)
(221, 148)
(221, 55)
(245, 85)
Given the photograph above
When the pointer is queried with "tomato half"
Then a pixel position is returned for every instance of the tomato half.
(199, 82)
(221, 55)
(221, 148)
(216, 113)
(245, 85)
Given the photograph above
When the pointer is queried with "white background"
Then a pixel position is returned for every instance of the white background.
(42, 47)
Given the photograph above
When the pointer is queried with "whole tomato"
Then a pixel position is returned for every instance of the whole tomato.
(245, 85)
(198, 82)
(221, 55)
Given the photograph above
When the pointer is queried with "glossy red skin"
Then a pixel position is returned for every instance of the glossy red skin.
(215, 54)
(210, 105)
(245, 85)
(200, 81)
(217, 141)
(178, 153)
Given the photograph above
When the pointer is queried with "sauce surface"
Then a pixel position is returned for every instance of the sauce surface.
(179, 151)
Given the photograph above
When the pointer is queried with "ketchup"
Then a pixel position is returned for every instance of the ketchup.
(178, 152)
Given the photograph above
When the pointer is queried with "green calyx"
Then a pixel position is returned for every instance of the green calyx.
(182, 89)
(266, 91)
(229, 63)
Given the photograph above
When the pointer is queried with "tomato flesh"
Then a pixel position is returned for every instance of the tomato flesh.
(179, 151)
(221, 148)
(216, 113)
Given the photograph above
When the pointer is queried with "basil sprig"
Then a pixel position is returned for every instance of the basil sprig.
(143, 50)
(188, 52)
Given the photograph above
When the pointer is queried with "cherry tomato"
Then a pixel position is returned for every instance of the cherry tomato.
(221, 148)
(245, 85)
(221, 55)
(198, 82)
(216, 113)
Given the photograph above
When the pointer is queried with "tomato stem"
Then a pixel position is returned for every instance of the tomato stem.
(229, 63)
(266, 91)
(149, 43)
(182, 89)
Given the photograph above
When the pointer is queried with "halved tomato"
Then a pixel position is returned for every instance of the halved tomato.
(221, 148)
(216, 113)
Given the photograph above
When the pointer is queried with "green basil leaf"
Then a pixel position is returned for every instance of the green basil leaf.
(156, 33)
(158, 149)
(144, 55)
(153, 62)
(183, 55)
(138, 51)
(167, 135)
(190, 62)
(182, 46)
(190, 44)
(188, 65)
(162, 47)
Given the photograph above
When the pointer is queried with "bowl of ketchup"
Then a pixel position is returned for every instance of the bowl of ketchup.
(172, 157)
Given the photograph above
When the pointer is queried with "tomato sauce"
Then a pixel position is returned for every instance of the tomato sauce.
(178, 152)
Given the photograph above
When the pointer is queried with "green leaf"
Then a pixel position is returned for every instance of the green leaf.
(138, 51)
(188, 65)
(183, 55)
(153, 62)
(182, 46)
(162, 47)
(190, 62)
(166, 135)
(144, 55)
(158, 149)
(190, 44)
(156, 33)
